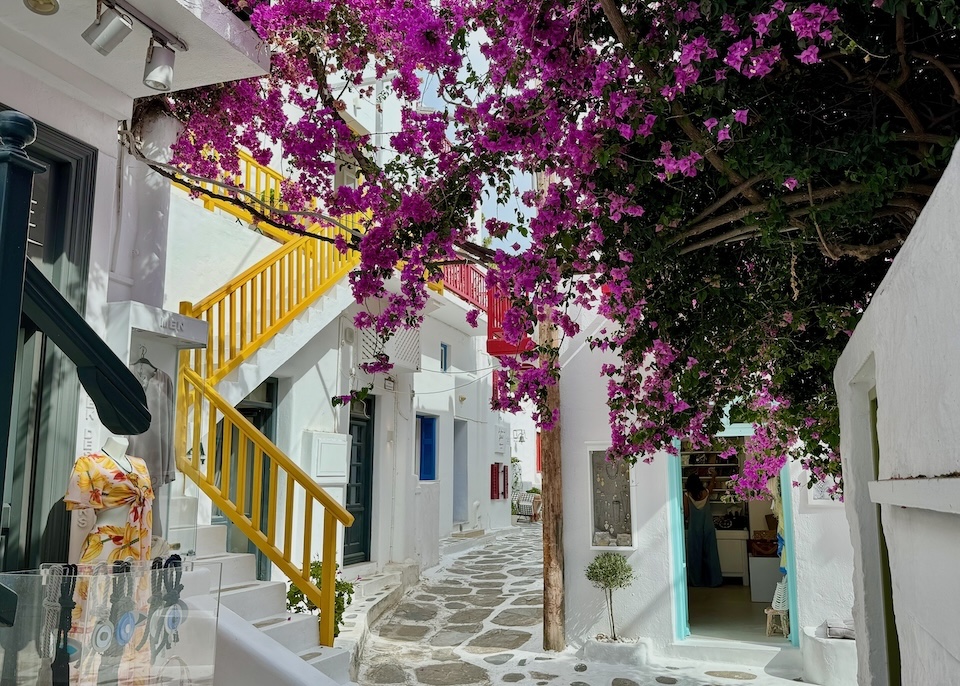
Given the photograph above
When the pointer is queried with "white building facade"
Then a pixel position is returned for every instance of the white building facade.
(659, 611)
(896, 382)
(421, 459)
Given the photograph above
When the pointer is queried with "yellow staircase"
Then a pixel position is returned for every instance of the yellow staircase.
(240, 461)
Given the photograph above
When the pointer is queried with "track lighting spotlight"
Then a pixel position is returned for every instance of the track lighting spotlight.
(108, 31)
(158, 69)
(44, 7)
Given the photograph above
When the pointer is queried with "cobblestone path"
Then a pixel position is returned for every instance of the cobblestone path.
(479, 620)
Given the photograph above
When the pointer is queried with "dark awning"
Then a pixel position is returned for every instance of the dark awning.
(114, 389)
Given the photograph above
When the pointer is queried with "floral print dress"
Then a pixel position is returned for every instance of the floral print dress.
(98, 482)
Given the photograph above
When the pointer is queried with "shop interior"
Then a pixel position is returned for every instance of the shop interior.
(730, 603)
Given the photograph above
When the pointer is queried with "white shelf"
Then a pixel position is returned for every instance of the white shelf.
(939, 495)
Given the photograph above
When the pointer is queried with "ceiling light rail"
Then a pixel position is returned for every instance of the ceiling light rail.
(160, 34)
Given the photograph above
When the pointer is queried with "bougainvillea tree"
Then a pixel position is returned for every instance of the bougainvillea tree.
(726, 181)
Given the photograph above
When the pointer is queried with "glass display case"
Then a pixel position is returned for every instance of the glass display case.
(117, 624)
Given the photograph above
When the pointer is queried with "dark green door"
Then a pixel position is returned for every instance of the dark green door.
(46, 403)
(356, 538)
(261, 413)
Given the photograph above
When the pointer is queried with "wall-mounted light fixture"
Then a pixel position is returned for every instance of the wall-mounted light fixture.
(158, 69)
(115, 23)
(44, 7)
(108, 30)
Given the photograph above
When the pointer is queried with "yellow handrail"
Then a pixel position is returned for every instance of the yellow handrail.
(253, 476)
(263, 182)
(245, 475)
(254, 306)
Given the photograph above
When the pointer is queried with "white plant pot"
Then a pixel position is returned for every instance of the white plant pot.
(629, 651)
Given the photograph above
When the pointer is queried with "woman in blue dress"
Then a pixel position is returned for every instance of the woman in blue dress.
(703, 559)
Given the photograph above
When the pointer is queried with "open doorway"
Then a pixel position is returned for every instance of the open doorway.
(730, 566)
(461, 493)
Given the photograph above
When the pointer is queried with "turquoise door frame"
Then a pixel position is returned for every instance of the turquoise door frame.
(681, 618)
(681, 614)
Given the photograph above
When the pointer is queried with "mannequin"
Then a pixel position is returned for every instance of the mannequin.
(110, 498)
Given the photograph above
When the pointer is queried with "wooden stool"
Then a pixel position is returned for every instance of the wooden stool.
(782, 623)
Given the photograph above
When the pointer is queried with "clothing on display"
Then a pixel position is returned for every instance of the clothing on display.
(703, 555)
(155, 445)
(99, 482)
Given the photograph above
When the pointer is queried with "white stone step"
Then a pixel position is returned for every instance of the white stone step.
(201, 541)
(255, 600)
(236, 568)
(366, 588)
(211, 539)
(183, 511)
(334, 662)
(296, 632)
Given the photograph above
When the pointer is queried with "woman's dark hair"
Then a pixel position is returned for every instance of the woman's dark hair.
(695, 485)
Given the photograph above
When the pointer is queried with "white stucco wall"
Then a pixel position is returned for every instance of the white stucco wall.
(207, 249)
(825, 563)
(526, 451)
(905, 350)
(644, 610)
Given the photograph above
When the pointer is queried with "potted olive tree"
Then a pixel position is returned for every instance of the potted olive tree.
(608, 572)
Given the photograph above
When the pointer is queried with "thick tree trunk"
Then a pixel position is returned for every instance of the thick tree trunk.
(552, 487)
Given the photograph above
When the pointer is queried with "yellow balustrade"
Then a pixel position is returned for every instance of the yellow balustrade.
(251, 308)
(247, 477)
(263, 182)
(257, 487)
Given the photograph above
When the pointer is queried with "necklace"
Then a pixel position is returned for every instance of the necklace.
(129, 472)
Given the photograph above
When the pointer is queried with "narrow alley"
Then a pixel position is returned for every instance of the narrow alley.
(478, 619)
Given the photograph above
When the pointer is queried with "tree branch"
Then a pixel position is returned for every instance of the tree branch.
(947, 71)
(613, 14)
(369, 168)
(253, 206)
(747, 210)
(749, 183)
(867, 252)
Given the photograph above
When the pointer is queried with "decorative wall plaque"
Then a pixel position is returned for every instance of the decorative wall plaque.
(610, 484)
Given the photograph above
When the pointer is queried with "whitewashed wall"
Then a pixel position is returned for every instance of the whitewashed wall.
(905, 349)
(823, 552)
(825, 563)
(526, 451)
(644, 610)
(207, 249)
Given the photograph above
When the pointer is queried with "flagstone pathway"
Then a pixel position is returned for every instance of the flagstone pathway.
(478, 619)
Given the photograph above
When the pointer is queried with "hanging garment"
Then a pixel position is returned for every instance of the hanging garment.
(703, 558)
(100, 483)
(155, 445)
(55, 541)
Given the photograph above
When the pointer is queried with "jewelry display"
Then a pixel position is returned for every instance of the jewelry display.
(174, 612)
(184, 677)
(46, 642)
(60, 669)
(124, 623)
(102, 636)
(154, 629)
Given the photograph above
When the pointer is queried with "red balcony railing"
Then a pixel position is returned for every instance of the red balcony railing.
(497, 345)
(466, 281)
